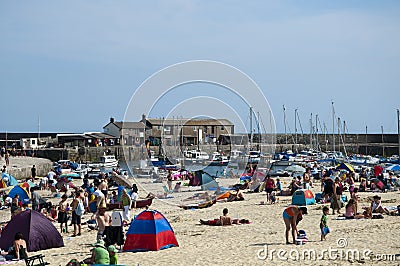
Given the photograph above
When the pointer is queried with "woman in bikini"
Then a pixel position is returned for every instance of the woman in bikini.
(292, 215)
(18, 249)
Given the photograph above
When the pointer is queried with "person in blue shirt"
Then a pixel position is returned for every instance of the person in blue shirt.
(279, 186)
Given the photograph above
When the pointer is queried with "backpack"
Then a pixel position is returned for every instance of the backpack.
(80, 209)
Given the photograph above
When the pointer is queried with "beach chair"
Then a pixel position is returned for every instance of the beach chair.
(30, 261)
(166, 190)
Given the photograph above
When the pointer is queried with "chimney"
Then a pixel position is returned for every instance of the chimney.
(112, 120)
(144, 118)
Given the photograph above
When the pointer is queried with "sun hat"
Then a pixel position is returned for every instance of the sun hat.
(99, 243)
(112, 249)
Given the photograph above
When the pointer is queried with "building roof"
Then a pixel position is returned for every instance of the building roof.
(89, 135)
(127, 125)
(190, 122)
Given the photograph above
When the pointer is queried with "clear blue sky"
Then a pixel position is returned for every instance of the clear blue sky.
(76, 63)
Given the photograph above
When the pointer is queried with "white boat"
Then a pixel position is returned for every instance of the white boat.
(196, 155)
(235, 154)
(254, 156)
(108, 161)
(218, 159)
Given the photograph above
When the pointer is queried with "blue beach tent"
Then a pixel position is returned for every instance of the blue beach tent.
(23, 194)
(11, 180)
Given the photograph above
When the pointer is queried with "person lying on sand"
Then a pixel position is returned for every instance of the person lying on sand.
(235, 196)
(224, 220)
(158, 196)
(199, 196)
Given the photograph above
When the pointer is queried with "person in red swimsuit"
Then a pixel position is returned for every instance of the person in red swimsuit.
(292, 215)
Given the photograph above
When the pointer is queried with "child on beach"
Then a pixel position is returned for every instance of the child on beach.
(272, 197)
(63, 207)
(269, 187)
(279, 186)
(323, 224)
(112, 250)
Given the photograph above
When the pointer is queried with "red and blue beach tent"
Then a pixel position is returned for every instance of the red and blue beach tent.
(149, 231)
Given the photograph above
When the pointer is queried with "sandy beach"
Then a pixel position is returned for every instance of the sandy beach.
(257, 243)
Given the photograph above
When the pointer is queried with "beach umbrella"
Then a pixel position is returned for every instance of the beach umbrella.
(394, 167)
(345, 166)
(294, 168)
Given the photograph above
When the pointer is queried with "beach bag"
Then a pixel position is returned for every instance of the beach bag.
(116, 219)
(318, 196)
(380, 185)
(344, 198)
(80, 209)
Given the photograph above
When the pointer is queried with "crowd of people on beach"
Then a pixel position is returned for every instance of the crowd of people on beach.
(76, 201)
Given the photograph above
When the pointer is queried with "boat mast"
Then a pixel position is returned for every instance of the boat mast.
(333, 127)
(383, 143)
(341, 138)
(251, 128)
(295, 129)
(316, 132)
(366, 140)
(284, 123)
(38, 130)
(326, 143)
(344, 133)
(259, 132)
(311, 133)
(338, 124)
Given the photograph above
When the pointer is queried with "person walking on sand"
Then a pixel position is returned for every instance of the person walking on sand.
(292, 215)
(336, 203)
(269, 187)
(324, 223)
(126, 203)
(103, 220)
(7, 158)
(33, 172)
(77, 211)
(169, 180)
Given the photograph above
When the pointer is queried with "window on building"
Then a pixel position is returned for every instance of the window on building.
(222, 128)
